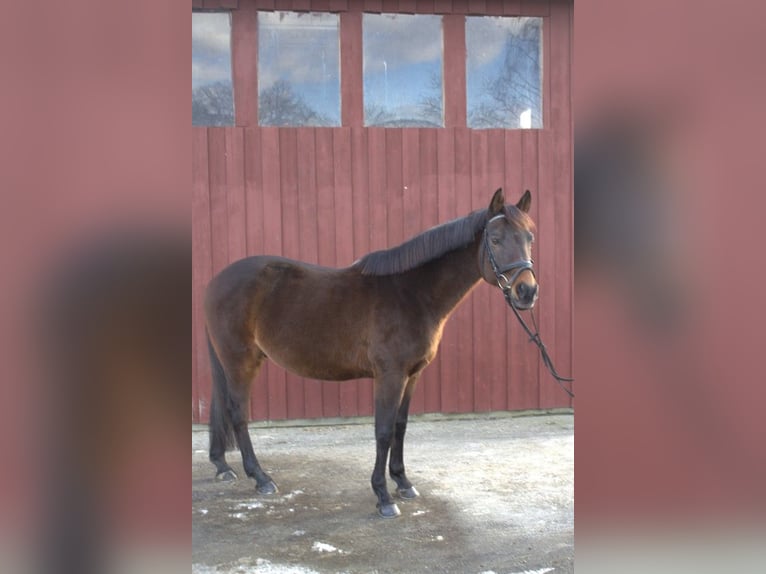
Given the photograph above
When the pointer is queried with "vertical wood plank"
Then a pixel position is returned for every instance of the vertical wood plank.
(494, 8)
(407, 6)
(244, 64)
(561, 192)
(301, 5)
(201, 268)
(272, 244)
(459, 7)
(443, 6)
(394, 191)
(338, 5)
(325, 167)
(373, 6)
(351, 77)
(376, 154)
(265, 4)
(361, 229)
(522, 364)
(529, 387)
(511, 7)
(480, 298)
(253, 192)
(412, 224)
(291, 244)
(390, 6)
(259, 405)
(447, 210)
(453, 27)
(235, 193)
(309, 235)
(424, 6)
(535, 8)
(495, 331)
(218, 208)
(546, 269)
(463, 317)
(344, 237)
(477, 7)
(429, 217)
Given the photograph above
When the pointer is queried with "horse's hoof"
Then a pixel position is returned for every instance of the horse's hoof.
(267, 488)
(388, 510)
(407, 493)
(226, 476)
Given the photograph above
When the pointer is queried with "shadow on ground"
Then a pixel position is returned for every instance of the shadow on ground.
(496, 496)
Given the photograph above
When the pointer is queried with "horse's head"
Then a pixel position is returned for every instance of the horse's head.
(505, 254)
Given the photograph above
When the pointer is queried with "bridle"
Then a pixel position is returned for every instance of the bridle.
(506, 285)
(517, 267)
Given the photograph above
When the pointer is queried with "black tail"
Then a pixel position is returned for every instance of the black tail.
(221, 427)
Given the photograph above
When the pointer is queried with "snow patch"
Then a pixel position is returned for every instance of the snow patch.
(323, 547)
(250, 505)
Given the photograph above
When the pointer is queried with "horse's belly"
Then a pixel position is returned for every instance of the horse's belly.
(317, 362)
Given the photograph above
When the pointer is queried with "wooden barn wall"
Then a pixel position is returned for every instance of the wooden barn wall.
(330, 195)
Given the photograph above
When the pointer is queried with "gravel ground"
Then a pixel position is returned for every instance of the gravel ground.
(496, 497)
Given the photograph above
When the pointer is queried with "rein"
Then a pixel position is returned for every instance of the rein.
(506, 285)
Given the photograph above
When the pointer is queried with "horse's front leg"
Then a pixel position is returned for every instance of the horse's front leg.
(388, 396)
(404, 487)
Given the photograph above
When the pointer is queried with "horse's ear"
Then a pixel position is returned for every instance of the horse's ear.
(525, 202)
(498, 203)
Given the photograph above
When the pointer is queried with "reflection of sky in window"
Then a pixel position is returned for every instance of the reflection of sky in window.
(211, 48)
(303, 50)
(402, 69)
(508, 48)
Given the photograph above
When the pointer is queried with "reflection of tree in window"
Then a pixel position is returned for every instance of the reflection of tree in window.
(279, 105)
(516, 88)
(431, 101)
(213, 105)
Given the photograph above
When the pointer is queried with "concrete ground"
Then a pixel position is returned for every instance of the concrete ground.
(496, 497)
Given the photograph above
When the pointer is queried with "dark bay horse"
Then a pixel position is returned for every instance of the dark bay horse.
(380, 318)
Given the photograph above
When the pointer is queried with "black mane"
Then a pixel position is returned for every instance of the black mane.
(429, 245)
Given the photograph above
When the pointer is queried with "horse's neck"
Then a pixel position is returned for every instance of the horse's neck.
(447, 280)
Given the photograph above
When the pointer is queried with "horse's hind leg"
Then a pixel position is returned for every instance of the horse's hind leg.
(221, 430)
(228, 414)
(404, 487)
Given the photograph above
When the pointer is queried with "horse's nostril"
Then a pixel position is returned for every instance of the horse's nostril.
(526, 292)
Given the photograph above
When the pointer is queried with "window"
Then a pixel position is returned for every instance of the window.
(504, 72)
(298, 69)
(212, 97)
(402, 70)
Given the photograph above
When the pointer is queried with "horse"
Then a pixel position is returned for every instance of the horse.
(380, 318)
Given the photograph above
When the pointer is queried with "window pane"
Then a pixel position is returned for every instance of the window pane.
(298, 69)
(212, 97)
(402, 70)
(504, 72)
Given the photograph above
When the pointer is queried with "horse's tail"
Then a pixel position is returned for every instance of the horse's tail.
(221, 427)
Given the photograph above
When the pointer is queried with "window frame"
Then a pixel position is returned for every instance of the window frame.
(245, 58)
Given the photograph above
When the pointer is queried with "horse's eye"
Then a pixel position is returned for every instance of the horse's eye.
(495, 241)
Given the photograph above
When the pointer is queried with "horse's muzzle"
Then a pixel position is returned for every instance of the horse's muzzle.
(524, 296)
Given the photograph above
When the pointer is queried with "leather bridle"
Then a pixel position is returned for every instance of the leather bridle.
(506, 285)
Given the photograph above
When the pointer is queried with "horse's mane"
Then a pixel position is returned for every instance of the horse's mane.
(429, 245)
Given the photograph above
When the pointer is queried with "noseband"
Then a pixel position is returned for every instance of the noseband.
(506, 284)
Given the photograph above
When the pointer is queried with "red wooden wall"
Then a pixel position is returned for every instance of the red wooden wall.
(330, 195)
